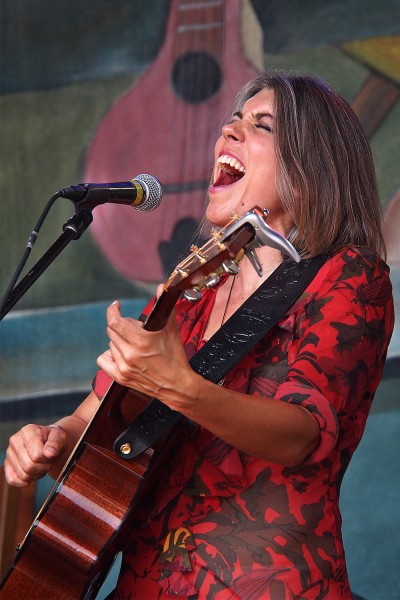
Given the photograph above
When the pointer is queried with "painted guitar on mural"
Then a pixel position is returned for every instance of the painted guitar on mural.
(166, 125)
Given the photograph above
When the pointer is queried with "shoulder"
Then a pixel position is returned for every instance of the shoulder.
(354, 260)
(354, 280)
(355, 270)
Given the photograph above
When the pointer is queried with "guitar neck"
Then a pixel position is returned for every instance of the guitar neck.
(162, 309)
(198, 26)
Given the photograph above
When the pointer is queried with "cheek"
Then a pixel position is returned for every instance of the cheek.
(267, 177)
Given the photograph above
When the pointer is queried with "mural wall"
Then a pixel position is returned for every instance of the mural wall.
(100, 91)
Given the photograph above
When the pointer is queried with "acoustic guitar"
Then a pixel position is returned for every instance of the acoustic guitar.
(166, 125)
(85, 520)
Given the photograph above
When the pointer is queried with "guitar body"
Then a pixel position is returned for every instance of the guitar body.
(166, 125)
(83, 524)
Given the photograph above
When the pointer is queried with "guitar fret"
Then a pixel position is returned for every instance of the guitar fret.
(199, 5)
(199, 27)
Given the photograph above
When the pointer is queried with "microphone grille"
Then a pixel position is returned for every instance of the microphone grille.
(155, 192)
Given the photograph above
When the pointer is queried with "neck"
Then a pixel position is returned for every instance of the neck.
(248, 278)
(233, 293)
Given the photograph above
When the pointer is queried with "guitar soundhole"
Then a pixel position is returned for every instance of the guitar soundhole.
(196, 76)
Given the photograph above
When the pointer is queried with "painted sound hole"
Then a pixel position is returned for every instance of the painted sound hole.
(196, 77)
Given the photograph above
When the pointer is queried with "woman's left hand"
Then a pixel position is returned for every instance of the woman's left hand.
(151, 362)
(155, 363)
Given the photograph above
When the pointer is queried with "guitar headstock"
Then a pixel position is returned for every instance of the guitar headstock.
(240, 236)
(221, 254)
(201, 268)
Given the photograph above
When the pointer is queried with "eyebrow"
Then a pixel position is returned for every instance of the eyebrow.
(257, 116)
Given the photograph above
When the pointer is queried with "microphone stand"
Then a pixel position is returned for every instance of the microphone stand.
(72, 230)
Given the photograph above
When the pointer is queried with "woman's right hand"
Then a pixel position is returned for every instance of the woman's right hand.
(39, 449)
(32, 452)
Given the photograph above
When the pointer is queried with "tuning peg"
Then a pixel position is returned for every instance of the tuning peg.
(192, 295)
(211, 281)
(230, 267)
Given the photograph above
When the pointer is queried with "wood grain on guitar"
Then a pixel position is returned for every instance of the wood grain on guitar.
(166, 125)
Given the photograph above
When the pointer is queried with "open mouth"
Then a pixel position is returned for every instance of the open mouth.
(230, 171)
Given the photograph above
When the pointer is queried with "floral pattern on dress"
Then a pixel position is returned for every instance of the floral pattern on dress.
(258, 530)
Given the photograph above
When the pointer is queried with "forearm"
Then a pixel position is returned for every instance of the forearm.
(74, 425)
(259, 426)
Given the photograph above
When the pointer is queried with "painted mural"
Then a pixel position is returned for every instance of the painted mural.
(93, 93)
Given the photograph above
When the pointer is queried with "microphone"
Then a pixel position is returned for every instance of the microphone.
(143, 193)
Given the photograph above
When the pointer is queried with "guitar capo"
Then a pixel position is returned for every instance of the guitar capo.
(264, 236)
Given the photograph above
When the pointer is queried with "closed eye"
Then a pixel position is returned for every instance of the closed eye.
(262, 126)
(238, 117)
(263, 120)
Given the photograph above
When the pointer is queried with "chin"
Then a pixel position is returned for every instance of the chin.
(217, 216)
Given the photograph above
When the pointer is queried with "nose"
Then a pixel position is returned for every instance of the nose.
(233, 131)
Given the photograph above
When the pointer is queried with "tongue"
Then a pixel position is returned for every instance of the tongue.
(226, 179)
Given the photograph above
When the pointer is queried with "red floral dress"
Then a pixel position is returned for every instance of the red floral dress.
(229, 526)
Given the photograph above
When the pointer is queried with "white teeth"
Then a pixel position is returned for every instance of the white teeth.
(225, 159)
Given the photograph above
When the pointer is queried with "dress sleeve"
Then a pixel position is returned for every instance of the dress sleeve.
(339, 345)
(101, 383)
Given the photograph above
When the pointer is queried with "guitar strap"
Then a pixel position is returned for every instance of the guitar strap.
(232, 342)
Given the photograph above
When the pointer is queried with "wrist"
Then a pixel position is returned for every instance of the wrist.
(185, 397)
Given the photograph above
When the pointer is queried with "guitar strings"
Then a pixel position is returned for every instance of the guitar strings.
(195, 153)
(228, 300)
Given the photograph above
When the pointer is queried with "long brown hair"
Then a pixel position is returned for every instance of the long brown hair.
(326, 174)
